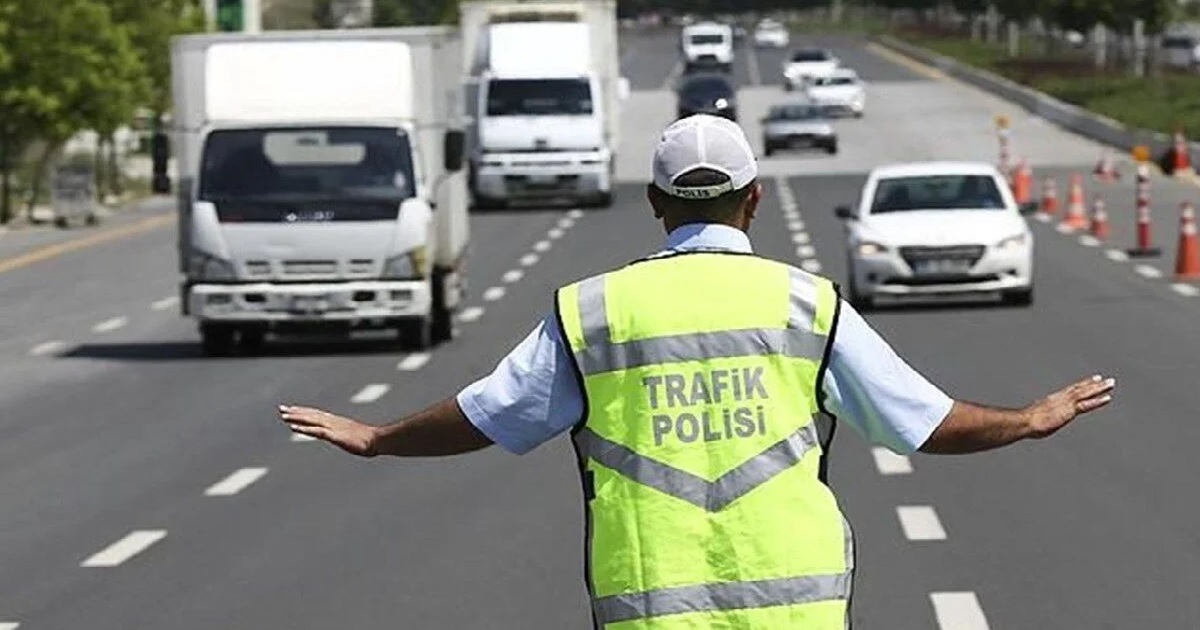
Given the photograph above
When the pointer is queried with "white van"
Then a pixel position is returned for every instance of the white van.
(706, 45)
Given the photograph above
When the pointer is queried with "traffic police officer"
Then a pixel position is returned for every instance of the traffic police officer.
(692, 382)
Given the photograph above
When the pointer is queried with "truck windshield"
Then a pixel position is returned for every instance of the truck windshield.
(307, 163)
(705, 39)
(539, 97)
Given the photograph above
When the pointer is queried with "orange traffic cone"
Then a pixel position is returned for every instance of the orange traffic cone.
(1049, 196)
(1187, 257)
(1106, 170)
(1099, 225)
(1076, 218)
(1022, 184)
(1179, 156)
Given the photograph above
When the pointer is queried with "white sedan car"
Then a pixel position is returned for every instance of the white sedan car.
(840, 93)
(806, 64)
(770, 33)
(934, 229)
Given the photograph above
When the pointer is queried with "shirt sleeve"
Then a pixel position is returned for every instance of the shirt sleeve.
(876, 392)
(532, 395)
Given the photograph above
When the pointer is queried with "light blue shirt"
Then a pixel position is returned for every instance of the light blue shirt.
(533, 395)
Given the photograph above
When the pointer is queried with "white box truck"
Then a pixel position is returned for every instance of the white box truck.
(320, 183)
(544, 91)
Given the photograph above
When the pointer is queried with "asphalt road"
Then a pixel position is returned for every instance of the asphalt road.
(113, 425)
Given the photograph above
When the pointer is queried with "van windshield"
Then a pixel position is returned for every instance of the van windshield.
(307, 163)
(539, 97)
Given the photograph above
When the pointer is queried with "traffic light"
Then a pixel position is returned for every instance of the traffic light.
(231, 15)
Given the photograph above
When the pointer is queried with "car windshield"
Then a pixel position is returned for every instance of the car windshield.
(539, 97)
(827, 81)
(937, 192)
(707, 87)
(794, 112)
(706, 38)
(307, 163)
(810, 55)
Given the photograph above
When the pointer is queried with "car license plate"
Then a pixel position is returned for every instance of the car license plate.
(310, 303)
(542, 180)
(941, 267)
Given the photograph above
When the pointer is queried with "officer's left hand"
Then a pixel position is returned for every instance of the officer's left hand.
(351, 436)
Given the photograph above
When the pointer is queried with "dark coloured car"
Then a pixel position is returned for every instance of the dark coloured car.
(707, 94)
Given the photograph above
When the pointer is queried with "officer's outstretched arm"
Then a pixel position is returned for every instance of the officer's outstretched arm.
(442, 429)
(970, 427)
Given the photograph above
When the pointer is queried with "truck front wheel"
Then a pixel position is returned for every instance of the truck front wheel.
(217, 339)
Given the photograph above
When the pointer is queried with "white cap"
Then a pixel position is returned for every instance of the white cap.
(703, 141)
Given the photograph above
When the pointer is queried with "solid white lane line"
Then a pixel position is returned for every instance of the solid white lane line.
(529, 260)
(566, 223)
(131, 545)
(1146, 271)
(1116, 255)
(48, 347)
(1087, 240)
(512, 275)
(806, 251)
(300, 437)
(415, 361)
(370, 393)
(920, 522)
(470, 314)
(575, 214)
(493, 294)
(795, 225)
(1187, 290)
(541, 246)
(890, 463)
(236, 482)
(110, 325)
(811, 265)
(958, 611)
(165, 303)
(801, 238)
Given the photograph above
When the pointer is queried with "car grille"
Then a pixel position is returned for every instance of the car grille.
(968, 253)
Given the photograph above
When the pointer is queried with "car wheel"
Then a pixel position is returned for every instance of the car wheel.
(1020, 297)
(861, 303)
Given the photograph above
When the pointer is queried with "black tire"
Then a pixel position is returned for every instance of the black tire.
(604, 200)
(1023, 297)
(92, 219)
(416, 335)
(831, 149)
(216, 340)
(252, 339)
(61, 223)
(767, 151)
(860, 302)
(442, 324)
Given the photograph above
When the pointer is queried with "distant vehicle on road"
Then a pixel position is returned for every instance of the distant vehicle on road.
(707, 93)
(937, 228)
(807, 63)
(771, 34)
(707, 45)
(1181, 50)
(841, 93)
(798, 125)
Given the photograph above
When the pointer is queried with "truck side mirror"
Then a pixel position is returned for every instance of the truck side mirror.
(844, 213)
(454, 144)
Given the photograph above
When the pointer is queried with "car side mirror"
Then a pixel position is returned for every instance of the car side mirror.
(844, 213)
(454, 144)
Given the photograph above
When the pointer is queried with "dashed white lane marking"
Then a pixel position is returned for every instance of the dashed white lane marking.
(1063, 228)
(958, 611)
(370, 393)
(165, 303)
(806, 251)
(1146, 271)
(811, 266)
(1087, 240)
(555, 233)
(415, 361)
(48, 347)
(529, 260)
(1187, 290)
(236, 482)
(512, 275)
(493, 294)
(110, 325)
(920, 522)
(470, 314)
(795, 225)
(9, 625)
(1116, 255)
(1044, 218)
(566, 223)
(890, 463)
(575, 214)
(541, 246)
(300, 437)
(801, 238)
(131, 545)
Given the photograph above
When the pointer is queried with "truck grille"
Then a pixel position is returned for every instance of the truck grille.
(310, 267)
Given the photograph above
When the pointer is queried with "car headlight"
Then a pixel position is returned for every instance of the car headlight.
(1014, 242)
(869, 248)
(208, 268)
(409, 266)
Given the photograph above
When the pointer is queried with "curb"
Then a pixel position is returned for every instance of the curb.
(1070, 117)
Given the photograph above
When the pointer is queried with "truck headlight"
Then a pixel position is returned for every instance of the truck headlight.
(1013, 242)
(868, 248)
(208, 268)
(409, 266)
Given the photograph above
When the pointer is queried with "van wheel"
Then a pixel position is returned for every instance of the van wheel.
(216, 340)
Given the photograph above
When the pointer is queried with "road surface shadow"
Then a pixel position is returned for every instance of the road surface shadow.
(166, 351)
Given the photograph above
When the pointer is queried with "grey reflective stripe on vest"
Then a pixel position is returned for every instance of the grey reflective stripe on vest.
(722, 596)
(713, 496)
(601, 355)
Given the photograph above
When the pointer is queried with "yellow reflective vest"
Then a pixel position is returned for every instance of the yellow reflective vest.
(699, 447)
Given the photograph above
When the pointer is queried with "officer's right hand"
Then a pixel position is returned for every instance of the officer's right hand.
(1057, 410)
